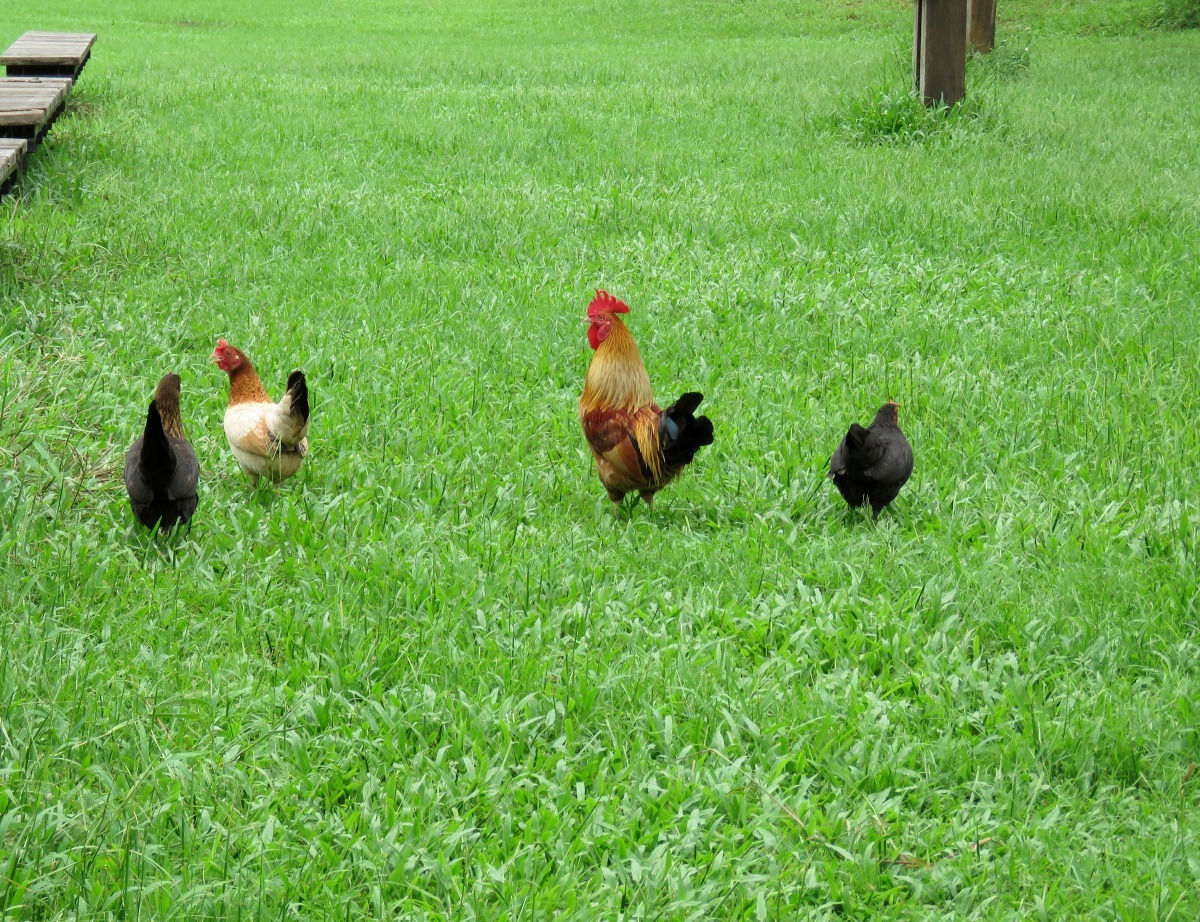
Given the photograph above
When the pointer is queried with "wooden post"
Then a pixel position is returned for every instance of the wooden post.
(981, 25)
(940, 50)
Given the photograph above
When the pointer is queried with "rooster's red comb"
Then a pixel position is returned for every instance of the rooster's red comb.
(604, 303)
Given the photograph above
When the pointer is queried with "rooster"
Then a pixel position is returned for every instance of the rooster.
(638, 447)
(161, 472)
(872, 464)
(267, 438)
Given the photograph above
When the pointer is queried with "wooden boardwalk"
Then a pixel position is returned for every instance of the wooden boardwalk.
(48, 54)
(29, 105)
(41, 66)
(12, 152)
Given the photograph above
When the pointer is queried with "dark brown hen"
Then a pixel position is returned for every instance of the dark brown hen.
(161, 472)
(872, 464)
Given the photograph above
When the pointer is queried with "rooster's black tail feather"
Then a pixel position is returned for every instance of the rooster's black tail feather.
(682, 434)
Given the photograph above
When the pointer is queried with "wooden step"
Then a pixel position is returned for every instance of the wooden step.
(48, 54)
(12, 152)
(29, 105)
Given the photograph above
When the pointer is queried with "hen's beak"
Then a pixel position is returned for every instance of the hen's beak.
(215, 357)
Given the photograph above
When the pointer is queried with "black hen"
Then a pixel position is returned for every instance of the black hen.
(872, 464)
(161, 472)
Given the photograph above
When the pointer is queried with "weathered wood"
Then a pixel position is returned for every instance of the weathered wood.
(48, 54)
(12, 152)
(981, 25)
(28, 105)
(940, 50)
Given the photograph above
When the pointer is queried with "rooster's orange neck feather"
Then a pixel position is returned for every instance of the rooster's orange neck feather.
(617, 379)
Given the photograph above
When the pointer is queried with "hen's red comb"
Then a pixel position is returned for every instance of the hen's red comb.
(221, 344)
(604, 303)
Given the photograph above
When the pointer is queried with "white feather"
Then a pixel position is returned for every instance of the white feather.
(254, 434)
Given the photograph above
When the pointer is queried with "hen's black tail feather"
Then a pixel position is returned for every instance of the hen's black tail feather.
(681, 433)
(158, 460)
(297, 386)
(856, 440)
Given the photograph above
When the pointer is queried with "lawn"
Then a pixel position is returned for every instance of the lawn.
(437, 675)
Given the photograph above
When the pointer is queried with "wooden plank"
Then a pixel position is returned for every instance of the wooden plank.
(60, 48)
(48, 54)
(44, 55)
(981, 25)
(12, 152)
(940, 50)
(59, 36)
(28, 106)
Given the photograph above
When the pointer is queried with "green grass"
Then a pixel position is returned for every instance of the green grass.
(435, 676)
